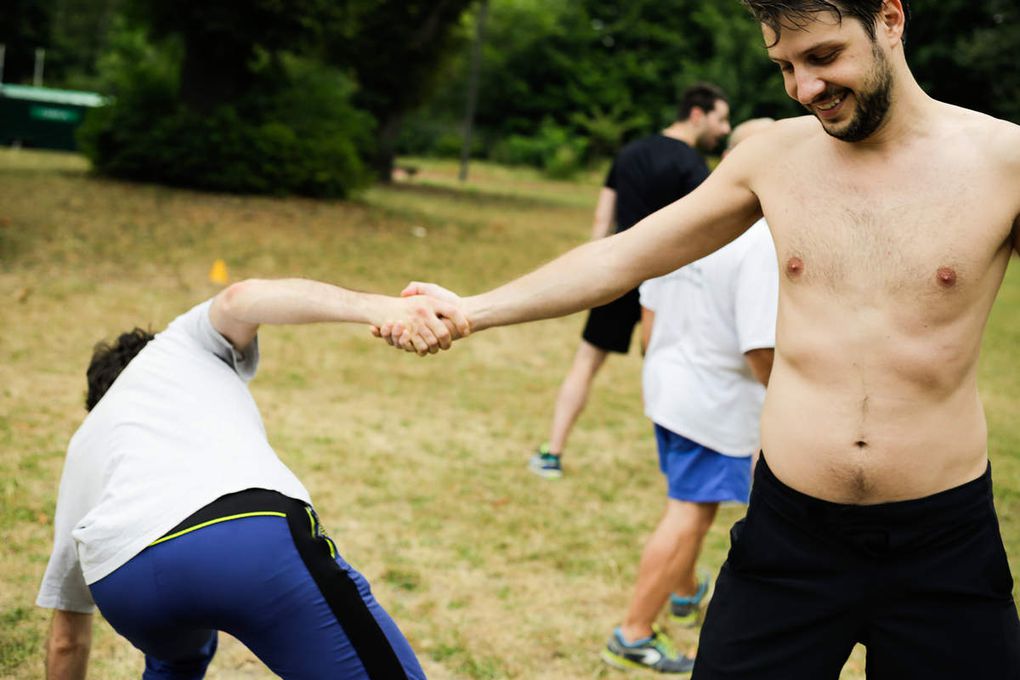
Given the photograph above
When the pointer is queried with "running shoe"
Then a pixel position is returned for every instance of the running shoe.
(546, 464)
(685, 610)
(655, 653)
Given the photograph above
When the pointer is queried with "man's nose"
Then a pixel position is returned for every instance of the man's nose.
(809, 86)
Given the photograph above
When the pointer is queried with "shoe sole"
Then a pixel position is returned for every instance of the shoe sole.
(623, 664)
(544, 473)
(689, 621)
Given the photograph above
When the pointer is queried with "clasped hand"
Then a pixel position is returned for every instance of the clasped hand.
(430, 319)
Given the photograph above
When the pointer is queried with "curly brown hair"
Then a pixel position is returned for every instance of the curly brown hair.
(108, 360)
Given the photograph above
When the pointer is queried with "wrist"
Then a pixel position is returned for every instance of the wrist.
(477, 312)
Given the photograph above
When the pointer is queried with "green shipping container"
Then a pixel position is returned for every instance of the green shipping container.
(43, 118)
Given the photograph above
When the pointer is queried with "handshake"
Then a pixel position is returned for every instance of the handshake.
(428, 319)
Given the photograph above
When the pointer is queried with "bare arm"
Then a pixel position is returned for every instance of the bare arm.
(68, 645)
(760, 361)
(647, 319)
(239, 309)
(605, 214)
(592, 274)
(1016, 236)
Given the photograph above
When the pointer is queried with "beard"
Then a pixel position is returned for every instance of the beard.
(707, 142)
(872, 101)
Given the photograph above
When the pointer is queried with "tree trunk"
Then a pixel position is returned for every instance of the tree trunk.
(385, 151)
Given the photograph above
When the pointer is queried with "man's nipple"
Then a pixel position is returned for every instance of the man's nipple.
(794, 267)
(946, 276)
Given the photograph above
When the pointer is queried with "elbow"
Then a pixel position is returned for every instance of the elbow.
(235, 298)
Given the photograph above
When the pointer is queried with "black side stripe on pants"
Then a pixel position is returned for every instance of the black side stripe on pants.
(341, 593)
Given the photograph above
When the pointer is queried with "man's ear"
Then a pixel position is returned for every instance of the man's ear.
(892, 22)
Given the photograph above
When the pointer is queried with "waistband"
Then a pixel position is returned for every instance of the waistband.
(238, 505)
(970, 500)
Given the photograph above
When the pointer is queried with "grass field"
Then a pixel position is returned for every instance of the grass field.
(416, 466)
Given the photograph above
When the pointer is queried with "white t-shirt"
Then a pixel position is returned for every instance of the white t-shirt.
(176, 430)
(707, 315)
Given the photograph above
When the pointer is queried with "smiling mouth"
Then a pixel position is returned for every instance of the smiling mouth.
(831, 104)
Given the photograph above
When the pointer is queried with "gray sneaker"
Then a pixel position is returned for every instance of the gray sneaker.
(655, 653)
(687, 610)
(546, 464)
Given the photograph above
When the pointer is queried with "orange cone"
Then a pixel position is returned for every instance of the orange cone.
(219, 274)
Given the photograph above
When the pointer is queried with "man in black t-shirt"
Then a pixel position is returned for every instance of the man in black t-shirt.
(647, 175)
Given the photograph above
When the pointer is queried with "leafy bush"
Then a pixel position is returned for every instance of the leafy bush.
(552, 148)
(437, 139)
(296, 133)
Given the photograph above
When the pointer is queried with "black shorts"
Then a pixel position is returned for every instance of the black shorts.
(923, 584)
(610, 326)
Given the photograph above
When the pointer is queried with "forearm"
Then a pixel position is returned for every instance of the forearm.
(584, 277)
(600, 271)
(68, 646)
(647, 321)
(238, 311)
(605, 214)
(295, 301)
(601, 229)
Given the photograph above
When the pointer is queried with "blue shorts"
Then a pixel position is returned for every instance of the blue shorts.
(697, 474)
(272, 579)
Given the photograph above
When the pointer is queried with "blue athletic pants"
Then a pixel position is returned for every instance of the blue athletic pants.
(270, 578)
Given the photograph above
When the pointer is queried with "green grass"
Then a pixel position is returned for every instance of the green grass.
(417, 466)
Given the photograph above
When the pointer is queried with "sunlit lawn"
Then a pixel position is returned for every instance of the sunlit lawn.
(416, 466)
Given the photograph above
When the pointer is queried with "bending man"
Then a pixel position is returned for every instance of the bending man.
(177, 519)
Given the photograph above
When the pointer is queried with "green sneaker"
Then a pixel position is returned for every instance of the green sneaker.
(545, 464)
(655, 653)
(685, 610)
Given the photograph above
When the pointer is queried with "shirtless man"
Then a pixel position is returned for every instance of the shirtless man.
(894, 216)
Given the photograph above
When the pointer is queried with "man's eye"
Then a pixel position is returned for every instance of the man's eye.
(824, 58)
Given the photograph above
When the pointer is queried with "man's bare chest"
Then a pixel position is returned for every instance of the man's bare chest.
(890, 235)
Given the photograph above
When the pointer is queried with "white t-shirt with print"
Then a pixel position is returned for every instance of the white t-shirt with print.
(697, 382)
(176, 430)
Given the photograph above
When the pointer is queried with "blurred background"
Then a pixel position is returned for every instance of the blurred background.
(318, 97)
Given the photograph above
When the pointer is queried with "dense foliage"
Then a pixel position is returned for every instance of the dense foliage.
(315, 95)
(298, 134)
(602, 72)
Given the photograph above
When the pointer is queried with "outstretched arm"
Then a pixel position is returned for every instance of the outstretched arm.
(600, 271)
(238, 310)
(722, 208)
(68, 645)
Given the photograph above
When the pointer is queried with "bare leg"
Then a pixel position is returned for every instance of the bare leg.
(574, 394)
(667, 563)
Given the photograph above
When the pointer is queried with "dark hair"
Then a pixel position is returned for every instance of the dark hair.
(795, 14)
(700, 95)
(109, 360)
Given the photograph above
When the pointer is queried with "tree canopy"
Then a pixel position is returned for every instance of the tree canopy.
(564, 82)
